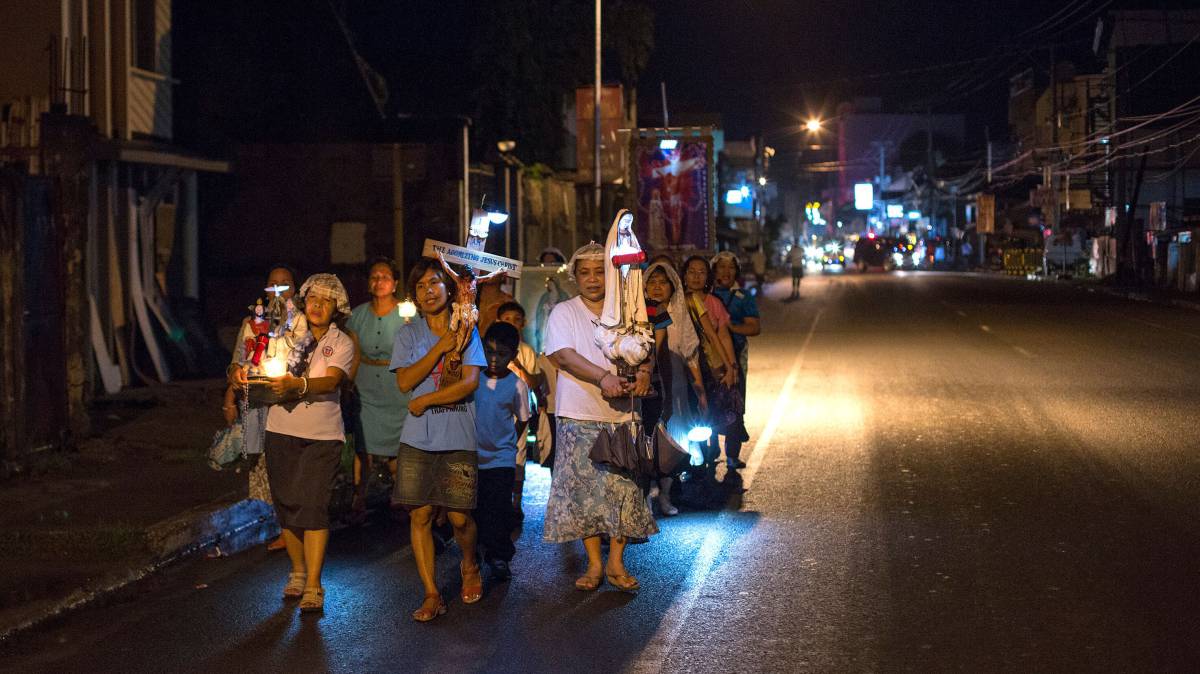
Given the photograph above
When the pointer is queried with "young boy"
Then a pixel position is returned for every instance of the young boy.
(525, 366)
(501, 413)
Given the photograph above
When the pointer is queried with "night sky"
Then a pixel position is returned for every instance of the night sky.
(761, 64)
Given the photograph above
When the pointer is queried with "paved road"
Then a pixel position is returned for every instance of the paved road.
(949, 473)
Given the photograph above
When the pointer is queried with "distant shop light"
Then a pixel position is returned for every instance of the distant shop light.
(762, 180)
(895, 210)
(914, 215)
(734, 197)
(864, 196)
(668, 143)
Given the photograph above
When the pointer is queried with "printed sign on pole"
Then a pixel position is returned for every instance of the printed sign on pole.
(986, 218)
(475, 259)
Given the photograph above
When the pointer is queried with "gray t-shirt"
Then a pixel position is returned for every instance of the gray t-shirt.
(444, 428)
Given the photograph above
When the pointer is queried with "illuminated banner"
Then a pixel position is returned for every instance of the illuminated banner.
(674, 194)
(475, 259)
(864, 196)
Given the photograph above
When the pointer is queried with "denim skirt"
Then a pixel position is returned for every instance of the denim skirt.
(446, 479)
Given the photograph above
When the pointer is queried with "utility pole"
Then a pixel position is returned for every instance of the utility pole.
(666, 117)
(596, 193)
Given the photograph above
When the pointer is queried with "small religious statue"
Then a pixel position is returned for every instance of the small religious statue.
(623, 333)
(464, 315)
(260, 333)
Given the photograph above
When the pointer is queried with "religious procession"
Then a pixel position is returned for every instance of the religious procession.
(625, 377)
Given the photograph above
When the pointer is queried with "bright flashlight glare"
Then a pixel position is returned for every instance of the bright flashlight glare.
(497, 217)
(700, 434)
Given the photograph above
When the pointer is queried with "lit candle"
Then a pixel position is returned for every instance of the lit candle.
(407, 310)
(275, 367)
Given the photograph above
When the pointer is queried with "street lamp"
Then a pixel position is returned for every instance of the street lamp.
(812, 125)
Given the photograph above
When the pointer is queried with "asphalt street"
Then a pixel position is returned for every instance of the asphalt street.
(947, 473)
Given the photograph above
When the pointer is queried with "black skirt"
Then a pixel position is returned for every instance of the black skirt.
(302, 473)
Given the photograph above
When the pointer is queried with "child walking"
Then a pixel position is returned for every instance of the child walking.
(501, 413)
(525, 365)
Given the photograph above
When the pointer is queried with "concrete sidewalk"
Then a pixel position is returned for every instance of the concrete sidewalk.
(135, 496)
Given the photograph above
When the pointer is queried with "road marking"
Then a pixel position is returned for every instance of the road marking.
(985, 328)
(782, 407)
(1023, 352)
(1164, 327)
(653, 657)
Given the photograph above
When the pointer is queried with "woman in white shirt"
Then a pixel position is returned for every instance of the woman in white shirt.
(305, 436)
(589, 500)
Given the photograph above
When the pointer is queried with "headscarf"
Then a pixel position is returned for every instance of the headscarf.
(553, 251)
(681, 333)
(330, 286)
(590, 251)
(725, 255)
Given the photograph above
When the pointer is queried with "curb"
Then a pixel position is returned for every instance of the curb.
(236, 524)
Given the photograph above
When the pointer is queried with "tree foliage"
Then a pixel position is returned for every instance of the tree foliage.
(528, 56)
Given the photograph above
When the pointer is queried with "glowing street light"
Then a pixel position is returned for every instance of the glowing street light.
(812, 125)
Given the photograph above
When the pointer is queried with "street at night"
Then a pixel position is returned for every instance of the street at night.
(644, 336)
(947, 472)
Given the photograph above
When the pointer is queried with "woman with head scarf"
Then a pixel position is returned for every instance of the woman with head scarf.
(719, 365)
(678, 367)
(305, 435)
(743, 324)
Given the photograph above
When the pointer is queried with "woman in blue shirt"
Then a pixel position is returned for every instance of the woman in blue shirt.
(437, 458)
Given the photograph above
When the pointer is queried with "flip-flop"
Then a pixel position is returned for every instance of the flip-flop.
(589, 583)
(624, 583)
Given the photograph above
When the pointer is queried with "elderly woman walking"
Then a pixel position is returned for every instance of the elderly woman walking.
(719, 364)
(305, 436)
(382, 405)
(437, 463)
(589, 500)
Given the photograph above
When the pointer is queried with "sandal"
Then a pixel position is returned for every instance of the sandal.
(313, 600)
(589, 583)
(427, 611)
(277, 544)
(624, 582)
(295, 585)
(472, 590)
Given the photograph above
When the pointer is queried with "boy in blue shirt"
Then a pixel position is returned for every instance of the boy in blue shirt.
(501, 413)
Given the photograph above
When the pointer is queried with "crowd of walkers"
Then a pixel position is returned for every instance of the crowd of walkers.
(455, 450)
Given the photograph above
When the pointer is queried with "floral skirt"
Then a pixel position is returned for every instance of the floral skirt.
(587, 499)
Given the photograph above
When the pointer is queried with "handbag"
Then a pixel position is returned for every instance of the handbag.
(227, 447)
